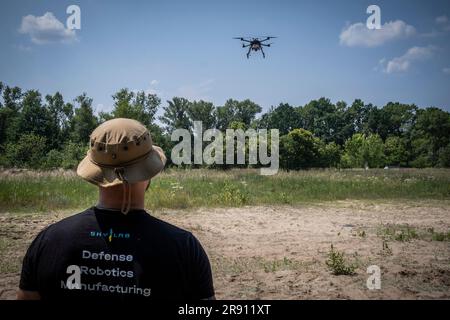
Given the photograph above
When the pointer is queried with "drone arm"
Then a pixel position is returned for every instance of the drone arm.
(267, 38)
(242, 39)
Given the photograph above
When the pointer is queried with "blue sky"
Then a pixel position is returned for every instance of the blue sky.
(185, 48)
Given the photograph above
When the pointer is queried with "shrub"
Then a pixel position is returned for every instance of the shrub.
(361, 150)
(28, 152)
(444, 157)
(299, 149)
(338, 265)
(72, 154)
(53, 159)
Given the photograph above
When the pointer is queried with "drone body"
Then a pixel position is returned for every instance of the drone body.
(255, 44)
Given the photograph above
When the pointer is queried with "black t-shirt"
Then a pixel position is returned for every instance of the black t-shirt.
(104, 254)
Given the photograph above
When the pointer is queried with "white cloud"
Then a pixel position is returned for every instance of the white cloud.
(443, 22)
(404, 62)
(46, 29)
(154, 82)
(358, 35)
(196, 91)
(23, 48)
(159, 93)
(150, 90)
(446, 70)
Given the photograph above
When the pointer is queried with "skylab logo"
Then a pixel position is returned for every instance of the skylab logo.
(109, 235)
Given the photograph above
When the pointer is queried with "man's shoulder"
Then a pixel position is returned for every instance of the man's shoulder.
(165, 228)
(71, 222)
(147, 224)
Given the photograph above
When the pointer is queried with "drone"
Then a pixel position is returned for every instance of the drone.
(255, 44)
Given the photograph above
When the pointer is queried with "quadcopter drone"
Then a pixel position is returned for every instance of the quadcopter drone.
(254, 44)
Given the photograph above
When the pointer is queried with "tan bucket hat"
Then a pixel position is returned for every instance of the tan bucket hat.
(121, 152)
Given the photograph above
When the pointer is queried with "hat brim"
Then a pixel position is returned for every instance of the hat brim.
(143, 170)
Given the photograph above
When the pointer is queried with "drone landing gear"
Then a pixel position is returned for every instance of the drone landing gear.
(262, 51)
(248, 53)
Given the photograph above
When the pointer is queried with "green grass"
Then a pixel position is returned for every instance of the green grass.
(338, 264)
(402, 233)
(180, 189)
(406, 233)
(44, 193)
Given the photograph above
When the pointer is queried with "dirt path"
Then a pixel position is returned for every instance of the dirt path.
(280, 252)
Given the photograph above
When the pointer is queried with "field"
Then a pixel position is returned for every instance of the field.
(271, 237)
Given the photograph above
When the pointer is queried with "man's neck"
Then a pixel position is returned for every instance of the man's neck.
(115, 206)
(112, 197)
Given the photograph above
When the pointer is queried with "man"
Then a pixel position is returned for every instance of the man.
(115, 250)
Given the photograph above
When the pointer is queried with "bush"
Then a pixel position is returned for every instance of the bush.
(338, 265)
(395, 151)
(28, 152)
(299, 149)
(72, 154)
(330, 155)
(422, 161)
(361, 151)
(444, 157)
(231, 194)
(422, 153)
(53, 160)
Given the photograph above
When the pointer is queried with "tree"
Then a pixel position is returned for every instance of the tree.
(422, 153)
(160, 139)
(393, 119)
(176, 115)
(138, 106)
(285, 118)
(357, 115)
(204, 112)
(72, 154)
(84, 121)
(61, 114)
(10, 113)
(433, 124)
(395, 151)
(36, 118)
(238, 111)
(28, 152)
(444, 157)
(246, 112)
(342, 124)
(317, 117)
(363, 151)
(374, 151)
(53, 159)
(329, 155)
(298, 150)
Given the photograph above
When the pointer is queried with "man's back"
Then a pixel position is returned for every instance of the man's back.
(114, 256)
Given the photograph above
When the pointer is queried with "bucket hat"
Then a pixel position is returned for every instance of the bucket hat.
(121, 152)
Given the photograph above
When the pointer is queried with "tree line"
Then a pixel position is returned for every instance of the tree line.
(47, 132)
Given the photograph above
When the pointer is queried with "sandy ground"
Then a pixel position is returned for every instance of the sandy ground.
(280, 252)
